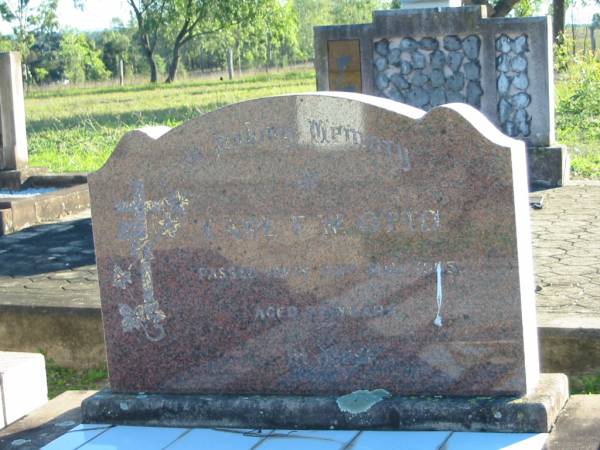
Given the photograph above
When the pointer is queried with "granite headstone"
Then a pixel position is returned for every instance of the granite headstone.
(317, 244)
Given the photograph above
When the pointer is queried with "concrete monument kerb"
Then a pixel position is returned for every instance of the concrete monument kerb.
(13, 150)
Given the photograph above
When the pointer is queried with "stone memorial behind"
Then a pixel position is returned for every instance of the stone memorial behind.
(429, 57)
(338, 247)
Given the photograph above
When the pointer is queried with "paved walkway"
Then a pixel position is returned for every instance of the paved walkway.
(50, 265)
(566, 249)
(54, 264)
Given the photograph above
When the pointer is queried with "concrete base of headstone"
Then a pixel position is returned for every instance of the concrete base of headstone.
(549, 167)
(534, 413)
(22, 385)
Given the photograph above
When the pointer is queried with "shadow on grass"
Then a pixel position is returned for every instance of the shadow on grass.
(128, 119)
(47, 248)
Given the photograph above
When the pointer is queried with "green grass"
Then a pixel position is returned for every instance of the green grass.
(585, 384)
(76, 129)
(73, 129)
(61, 379)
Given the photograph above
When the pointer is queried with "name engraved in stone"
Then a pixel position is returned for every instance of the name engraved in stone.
(393, 220)
(322, 133)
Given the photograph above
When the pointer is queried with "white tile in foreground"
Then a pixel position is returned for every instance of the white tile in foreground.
(105, 437)
(23, 384)
(400, 440)
(496, 441)
(307, 440)
(130, 438)
(206, 439)
(76, 437)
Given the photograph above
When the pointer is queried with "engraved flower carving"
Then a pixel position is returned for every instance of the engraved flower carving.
(131, 318)
(135, 318)
(121, 277)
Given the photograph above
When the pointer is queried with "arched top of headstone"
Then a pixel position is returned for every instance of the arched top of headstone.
(350, 106)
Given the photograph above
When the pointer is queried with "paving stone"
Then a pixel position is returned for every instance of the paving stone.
(587, 244)
(545, 261)
(565, 280)
(574, 270)
(553, 244)
(589, 237)
(65, 275)
(550, 251)
(563, 236)
(579, 261)
(43, 285)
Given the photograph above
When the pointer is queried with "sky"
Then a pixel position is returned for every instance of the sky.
(98, 14)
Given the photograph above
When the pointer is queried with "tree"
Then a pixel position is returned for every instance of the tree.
(115, 45)
(354, 11)
(498, 8)
(310, 13)
(558, 19)
(148, 15)
(28, 22)
(593, 27)
(191, 19)
(80, 60)
(265, 39)
(526, 8)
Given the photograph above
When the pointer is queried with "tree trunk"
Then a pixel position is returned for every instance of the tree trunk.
(558, 19)
(174, 63)
(593, 39)
(503, 7)
(149, 54)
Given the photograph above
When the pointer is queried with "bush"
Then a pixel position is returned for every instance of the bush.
(578, 97)
(81, 61)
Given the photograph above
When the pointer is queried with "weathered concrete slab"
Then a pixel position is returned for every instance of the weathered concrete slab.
(578, 427)
(363, 410)
(13, 145)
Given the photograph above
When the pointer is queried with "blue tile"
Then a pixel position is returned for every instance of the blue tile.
(307, 440)
(76, 437)
(497, 441)
(400, 440)
(127, 438)
(200, 439)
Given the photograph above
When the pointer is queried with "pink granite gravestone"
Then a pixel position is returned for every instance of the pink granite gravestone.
(317, 244)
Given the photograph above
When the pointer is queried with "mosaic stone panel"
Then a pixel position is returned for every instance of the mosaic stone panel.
(512, 83)
(430, 71)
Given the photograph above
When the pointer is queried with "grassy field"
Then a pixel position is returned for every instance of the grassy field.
(75, 129)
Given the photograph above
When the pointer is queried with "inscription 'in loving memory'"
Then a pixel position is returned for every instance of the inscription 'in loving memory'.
(321, 133)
